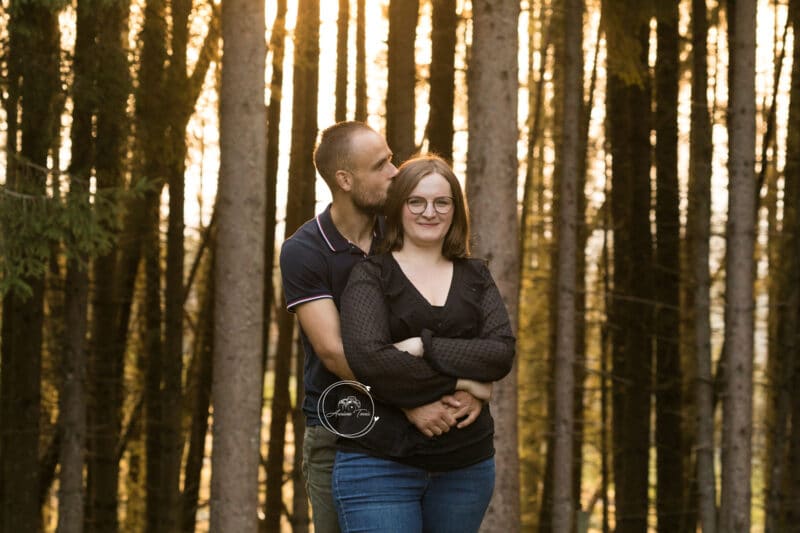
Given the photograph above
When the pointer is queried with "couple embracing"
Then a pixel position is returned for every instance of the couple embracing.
(387, 295)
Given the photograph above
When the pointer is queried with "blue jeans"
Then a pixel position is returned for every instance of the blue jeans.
(380, 495)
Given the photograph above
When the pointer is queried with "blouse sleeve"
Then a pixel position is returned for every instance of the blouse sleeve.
(487, 357)
(394, 376)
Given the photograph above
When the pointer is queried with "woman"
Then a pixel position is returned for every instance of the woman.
(415, 319)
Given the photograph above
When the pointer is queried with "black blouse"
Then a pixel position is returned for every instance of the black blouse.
(468, 337)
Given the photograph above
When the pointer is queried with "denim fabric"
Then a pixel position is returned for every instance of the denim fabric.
(380, 495)
(319, 450)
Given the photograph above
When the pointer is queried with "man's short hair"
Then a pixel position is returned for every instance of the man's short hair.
(334, 150)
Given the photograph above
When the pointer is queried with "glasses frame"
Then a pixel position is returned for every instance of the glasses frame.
(435, 209)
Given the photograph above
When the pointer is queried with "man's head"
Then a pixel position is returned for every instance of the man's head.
(355, 161)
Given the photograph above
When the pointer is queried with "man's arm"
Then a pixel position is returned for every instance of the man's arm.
(320, 322)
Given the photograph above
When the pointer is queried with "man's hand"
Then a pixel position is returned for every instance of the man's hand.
(470, 407)
(434, 418)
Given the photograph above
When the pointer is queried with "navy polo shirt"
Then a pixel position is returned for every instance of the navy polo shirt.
(315, 264)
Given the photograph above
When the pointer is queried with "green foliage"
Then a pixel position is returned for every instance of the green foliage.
(31, 227)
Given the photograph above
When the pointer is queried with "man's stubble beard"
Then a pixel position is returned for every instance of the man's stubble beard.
(368, 205)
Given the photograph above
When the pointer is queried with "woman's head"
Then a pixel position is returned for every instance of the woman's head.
(435, 212)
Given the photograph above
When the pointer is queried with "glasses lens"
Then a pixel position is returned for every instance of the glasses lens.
(443, 205)
(416, 204)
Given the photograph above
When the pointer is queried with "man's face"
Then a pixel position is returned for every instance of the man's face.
(372, 171)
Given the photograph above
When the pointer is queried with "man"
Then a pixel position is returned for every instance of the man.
(356, 163)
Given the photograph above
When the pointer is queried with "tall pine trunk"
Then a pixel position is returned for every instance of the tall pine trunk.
(564, 356)
(783, 455)
(534, 260)
(278, 48)
(737, 412)
(107, 357)
(669, 381)
(35, 49)
(150, 133)
(72, 401)
(239, 273)
(792, 201)
(492, 169)
(172, 390)
(200, 395)
(443, 50)
(299, 208)
(628, 112)
(401, 82)
(342, 26)
(361, 62)
(698, 231)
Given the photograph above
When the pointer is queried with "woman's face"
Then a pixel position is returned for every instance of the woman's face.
(428, 211)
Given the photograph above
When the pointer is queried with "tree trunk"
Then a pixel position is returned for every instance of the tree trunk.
(107, 360)
(278, 47)
(154, 361)
(401, 82)
(605, 358)
(239, 272)
(342, 25)
(300, 520)
(201, 393)
(299, 208)
(534, 260)
(792, 201)
(630, 313)
(442, 78)
(564, 361)
(361, 62)
(35, 49)
(737, 419)
(584, 231)
(492, 168)
(273, 143)
(669, 381)
(177, 95)
(698, 233)
(151, 125)
(72, 401)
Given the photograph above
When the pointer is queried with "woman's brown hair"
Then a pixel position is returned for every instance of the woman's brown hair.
(456, 242)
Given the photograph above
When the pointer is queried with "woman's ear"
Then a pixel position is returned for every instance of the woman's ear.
(344, 179)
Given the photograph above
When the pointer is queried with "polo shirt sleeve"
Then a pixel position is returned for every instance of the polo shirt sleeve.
(304, 272)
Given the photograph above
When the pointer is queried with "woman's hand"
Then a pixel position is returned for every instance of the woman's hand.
(468, 409)
(412, 345)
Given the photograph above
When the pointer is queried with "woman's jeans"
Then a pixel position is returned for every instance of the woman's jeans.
(380, 495)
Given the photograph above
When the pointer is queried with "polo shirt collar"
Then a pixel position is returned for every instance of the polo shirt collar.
(335, 240)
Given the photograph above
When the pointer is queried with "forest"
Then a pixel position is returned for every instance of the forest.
(632, 169)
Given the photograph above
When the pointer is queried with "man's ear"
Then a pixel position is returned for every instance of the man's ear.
(344, 180)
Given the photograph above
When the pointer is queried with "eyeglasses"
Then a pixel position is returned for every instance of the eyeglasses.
(417, 204)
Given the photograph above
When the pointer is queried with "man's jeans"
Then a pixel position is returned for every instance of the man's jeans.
(319, 450)
(385, 496)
